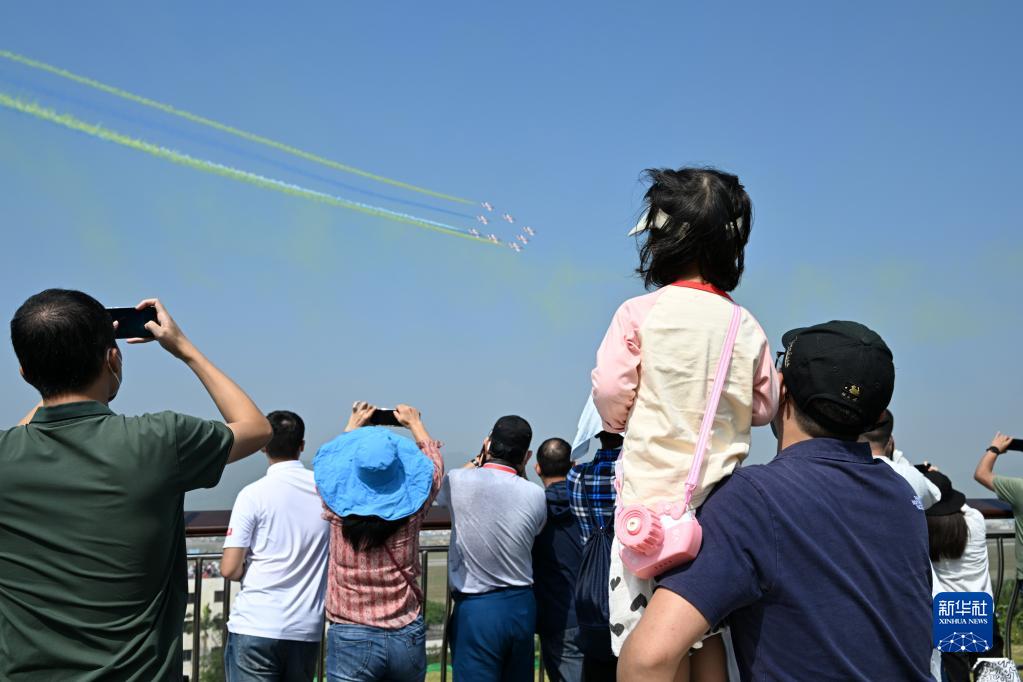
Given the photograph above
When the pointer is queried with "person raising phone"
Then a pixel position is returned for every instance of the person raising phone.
(1007, 488)
(92, 570)
(376, 488)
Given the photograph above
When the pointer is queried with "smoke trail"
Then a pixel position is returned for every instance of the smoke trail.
(201, 120)
(210, 139)
(68, 121)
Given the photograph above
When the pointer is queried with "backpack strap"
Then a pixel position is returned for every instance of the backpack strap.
(417, 592)
(712, 404)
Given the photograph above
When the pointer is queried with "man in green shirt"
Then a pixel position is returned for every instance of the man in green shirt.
(1007, 488)
(92, 539)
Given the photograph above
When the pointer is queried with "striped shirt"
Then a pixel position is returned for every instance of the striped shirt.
(591, 491)
(371, 587)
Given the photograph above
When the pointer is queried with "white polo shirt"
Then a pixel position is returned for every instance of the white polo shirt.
(278, 519)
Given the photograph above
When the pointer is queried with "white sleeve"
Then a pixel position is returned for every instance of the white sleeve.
(243, 523)
(925, 490)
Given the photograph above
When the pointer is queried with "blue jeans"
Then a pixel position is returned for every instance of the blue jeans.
(360, 653)
(491, 635)
(248, 658)
(562, 659)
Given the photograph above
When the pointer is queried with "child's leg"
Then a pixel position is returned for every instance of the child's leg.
(708, 664)
(627, 599)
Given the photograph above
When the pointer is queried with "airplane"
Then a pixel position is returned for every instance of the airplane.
(474, 232)
(483, 219)
(493, 238)
(508, 217)
(487, 205)
(530, 231)
(515, 247)
(522, 239)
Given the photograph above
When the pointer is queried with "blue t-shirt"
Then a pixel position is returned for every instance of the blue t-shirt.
(819, 561)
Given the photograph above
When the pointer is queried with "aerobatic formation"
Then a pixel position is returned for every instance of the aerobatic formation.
(516, 242)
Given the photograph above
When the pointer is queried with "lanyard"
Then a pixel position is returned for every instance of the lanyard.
(500, 467)
(701, 286)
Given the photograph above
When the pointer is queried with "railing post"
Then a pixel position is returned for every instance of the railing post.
(444, 632)
(196, 621)
(1000, 543)
(226, 608)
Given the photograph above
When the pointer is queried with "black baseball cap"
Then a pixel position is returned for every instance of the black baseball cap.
(842, 363)
(951, 501)
(510, 438)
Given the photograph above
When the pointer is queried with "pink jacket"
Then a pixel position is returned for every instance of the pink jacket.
(654, 371)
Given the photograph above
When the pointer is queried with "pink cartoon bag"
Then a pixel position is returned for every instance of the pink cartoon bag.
(656, 539)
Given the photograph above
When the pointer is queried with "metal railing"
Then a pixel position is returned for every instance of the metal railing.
(214, 524)
(198, 562)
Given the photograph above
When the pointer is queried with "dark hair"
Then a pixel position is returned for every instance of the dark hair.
(834, 414)
(61, 338)
(881, 434)
(288, 434)
(709, 220)
(554, 457)
(509, 439)
(368, 532)
(948, 535)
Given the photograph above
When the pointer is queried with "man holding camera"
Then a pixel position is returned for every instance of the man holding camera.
(495, 516)
(92, 537)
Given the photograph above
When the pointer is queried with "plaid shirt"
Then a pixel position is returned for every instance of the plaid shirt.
(591, 491)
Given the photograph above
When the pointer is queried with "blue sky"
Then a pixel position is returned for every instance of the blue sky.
(879, 141)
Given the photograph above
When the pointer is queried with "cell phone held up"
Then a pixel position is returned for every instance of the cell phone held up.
(1016, 444)
(131, 322)
(384, 418)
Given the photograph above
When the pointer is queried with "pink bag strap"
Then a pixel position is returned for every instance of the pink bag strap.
(712, 404)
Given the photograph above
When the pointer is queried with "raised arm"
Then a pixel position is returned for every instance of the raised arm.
(250, 428)
(985, 473)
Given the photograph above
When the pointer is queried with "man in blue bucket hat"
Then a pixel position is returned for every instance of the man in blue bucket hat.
(377, 487)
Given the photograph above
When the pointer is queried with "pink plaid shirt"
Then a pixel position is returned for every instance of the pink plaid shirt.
(368, 587)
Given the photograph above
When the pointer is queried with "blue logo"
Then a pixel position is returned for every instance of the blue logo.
(963, 622)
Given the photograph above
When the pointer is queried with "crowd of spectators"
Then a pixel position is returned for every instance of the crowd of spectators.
(839, 539)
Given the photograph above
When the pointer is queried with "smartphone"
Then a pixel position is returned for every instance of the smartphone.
(1016, 444)
(384, 418)
(131, 322)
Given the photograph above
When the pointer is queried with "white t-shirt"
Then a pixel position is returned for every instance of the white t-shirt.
(925, 490)
(495, 516)
(970, 572)
(278, 519)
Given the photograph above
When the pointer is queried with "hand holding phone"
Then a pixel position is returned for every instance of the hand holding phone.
(130, 323)
(1016, 444)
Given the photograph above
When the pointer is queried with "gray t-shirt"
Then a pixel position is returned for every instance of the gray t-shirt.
(495, 515)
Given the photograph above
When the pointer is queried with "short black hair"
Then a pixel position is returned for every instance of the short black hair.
(709, 217)
(510, 438)
(61, 338)
(554, 457)
(947, 535)
(881, 433)
(288, 434)
(834, 414)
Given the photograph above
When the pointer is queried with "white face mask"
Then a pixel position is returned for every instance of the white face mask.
(116, 378)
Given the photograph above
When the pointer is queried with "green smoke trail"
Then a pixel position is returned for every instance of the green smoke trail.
(68, 121)
(201, 120)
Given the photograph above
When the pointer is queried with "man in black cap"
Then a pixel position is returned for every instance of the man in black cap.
(819, 559)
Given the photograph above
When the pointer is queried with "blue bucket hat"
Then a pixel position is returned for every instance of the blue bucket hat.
(372, 471)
